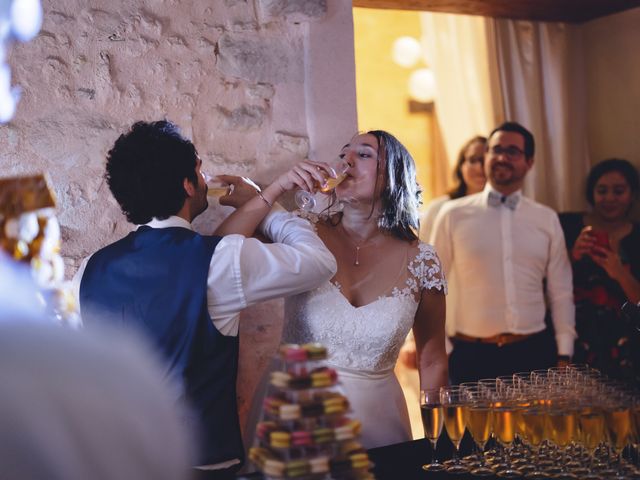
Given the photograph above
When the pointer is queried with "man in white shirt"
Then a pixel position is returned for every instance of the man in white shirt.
(185, 291)
(499, 250)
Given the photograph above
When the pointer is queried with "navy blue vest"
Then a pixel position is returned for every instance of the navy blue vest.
(155, 280)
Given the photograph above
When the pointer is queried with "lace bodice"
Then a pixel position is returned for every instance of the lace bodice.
(366, 338)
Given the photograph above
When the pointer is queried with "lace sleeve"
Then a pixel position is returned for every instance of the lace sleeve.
(427, 269)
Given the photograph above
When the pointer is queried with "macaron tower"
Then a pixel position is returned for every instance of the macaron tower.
(305, 432)
(30, 236)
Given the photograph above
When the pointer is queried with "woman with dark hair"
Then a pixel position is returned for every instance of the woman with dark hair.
(604, 247)
(469, 177)
(387, 283)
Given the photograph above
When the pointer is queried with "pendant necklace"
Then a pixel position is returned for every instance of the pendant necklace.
(356, 261)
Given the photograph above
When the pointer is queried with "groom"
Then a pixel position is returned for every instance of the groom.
(185, 291)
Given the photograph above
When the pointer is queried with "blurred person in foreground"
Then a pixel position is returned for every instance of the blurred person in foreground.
(77, 405)
(499, 249)
(184, 290)
(604, 246)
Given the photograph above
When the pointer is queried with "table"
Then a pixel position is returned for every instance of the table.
(403, 461)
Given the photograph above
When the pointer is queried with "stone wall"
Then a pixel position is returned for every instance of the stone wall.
(257, 85)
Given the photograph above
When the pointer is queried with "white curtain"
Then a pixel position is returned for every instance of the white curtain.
(542, 83)
(488, 71)
(457, 51)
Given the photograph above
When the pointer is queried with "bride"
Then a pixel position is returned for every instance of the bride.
(387, 283)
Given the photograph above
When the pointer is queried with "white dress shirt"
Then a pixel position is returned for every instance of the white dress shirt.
(429, 216)
(496, 259)
(245, 271)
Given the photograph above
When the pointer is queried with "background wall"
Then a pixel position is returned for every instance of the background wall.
(247, 80)
(382, 85)
(613, 86)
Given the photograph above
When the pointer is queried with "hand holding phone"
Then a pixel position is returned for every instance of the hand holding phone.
(601, 239)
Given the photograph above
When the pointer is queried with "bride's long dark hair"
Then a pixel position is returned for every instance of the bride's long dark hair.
(402, 196)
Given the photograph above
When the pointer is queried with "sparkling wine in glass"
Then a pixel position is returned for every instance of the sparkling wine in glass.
(306, 200)
(215, 187)
(479, 424)
(432, 421)
(455, 422)
(504, 428)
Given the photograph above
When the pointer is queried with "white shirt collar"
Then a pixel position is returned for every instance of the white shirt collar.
(488, 188)
(172, 221)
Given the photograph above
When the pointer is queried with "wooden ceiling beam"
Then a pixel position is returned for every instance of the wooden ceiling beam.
(570, 11)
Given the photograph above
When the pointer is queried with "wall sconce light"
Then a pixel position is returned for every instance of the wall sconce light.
(19, 20)
(407, 52)
(422, 85)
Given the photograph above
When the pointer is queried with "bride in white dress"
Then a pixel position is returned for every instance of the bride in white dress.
(387, 283)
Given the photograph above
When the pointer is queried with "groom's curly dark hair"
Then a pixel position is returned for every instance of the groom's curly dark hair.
(146, 169)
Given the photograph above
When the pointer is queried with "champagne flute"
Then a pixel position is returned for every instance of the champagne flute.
(480, 425)
(455, 422)
(432, 420)
(592, 433)
(563, 426)
(534, 419)
(617, 414)
(215, 187)
(306, 200)
(504, 427)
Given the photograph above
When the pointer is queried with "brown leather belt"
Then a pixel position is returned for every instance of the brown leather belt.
(499, 340)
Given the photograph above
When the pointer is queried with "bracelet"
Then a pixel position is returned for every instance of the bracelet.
(259, 193)
(564, 358)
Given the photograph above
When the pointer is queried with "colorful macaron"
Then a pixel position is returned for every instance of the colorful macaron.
(293, 353)
(319, 464)
(301, 438)
(297, 468)
(280, 439)
(315, 351)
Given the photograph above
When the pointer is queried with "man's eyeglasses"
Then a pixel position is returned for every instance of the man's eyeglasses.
(512, 153)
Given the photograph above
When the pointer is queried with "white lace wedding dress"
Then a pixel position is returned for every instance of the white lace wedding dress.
(363, 343)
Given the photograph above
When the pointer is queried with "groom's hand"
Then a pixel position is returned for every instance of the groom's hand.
(243, 189)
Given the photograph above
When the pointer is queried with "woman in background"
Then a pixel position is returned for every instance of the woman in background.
(469, 177)
(604, 247)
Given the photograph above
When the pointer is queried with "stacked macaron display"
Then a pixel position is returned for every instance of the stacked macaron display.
(30, 235)
(304, 432)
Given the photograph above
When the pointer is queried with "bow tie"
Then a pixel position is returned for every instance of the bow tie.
(496, 199)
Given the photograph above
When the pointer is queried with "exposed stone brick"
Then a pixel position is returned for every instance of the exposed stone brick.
(247, 117)
(292, 143)
(258, 59)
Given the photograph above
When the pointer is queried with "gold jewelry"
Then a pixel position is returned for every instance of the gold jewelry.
(264, 199)
(356, 261)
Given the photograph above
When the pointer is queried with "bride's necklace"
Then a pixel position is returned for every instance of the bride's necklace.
(358, 246)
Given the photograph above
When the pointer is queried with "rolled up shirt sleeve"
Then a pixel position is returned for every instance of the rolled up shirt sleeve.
(245, 271)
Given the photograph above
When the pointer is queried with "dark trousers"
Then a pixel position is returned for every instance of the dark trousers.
(472, 361)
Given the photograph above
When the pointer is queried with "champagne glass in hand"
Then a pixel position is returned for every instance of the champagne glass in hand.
(216, 187)
(432, 420)
(306, 201)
